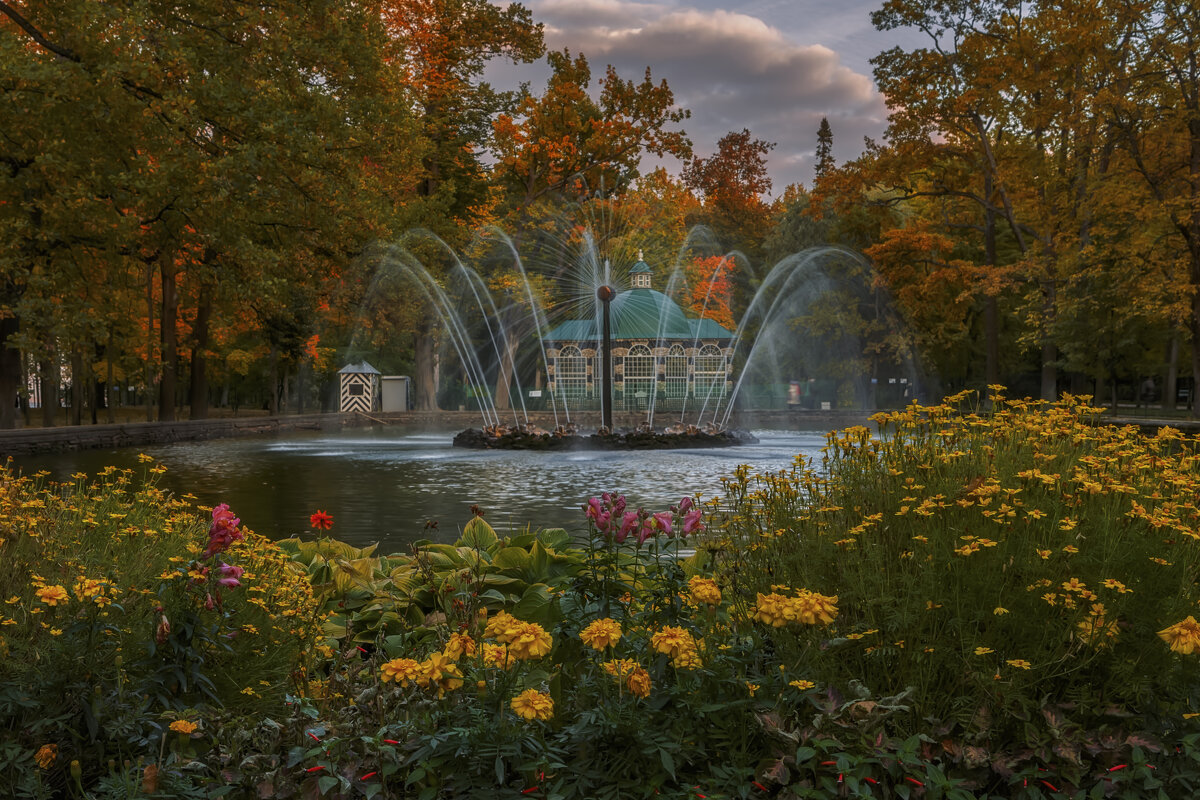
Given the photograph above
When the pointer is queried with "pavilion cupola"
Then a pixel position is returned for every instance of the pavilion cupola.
(639, 274)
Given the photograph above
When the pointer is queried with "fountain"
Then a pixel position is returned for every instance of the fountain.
(615, 343)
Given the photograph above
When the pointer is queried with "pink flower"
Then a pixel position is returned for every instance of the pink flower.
(600, 516)
(663, 520)
(628, 523)
(684, 505)
(647, 529)
(223, 531)
(229, 576)
(691, 522)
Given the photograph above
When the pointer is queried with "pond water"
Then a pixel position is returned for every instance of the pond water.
(384, 485)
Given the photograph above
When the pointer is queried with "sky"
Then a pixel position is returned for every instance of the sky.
(772, 66)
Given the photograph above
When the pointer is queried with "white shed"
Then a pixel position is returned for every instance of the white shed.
(359, 390)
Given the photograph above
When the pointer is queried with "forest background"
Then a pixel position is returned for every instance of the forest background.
(193, 196)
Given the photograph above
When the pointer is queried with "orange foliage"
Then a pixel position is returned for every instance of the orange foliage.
(710, 289)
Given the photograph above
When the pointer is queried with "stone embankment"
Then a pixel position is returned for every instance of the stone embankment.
(34, 441)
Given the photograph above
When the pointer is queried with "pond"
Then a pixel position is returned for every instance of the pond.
(386, 485)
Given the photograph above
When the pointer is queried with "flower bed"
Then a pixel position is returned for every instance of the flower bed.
(966, 605)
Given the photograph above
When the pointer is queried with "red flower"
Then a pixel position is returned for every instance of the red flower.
(321, 520)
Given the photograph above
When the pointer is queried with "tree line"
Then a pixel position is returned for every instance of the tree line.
(191, 196)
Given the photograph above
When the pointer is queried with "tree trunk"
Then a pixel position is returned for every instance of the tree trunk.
(426, 389)
(169, 341)
(1100, 389)
(150, 341)
(286, 402)
(49, 376)
(78, 381)
(110, 390)
(1049, 348)
(198, 385)
(991, 312)
(1195, 324)
(503, 397)
(273, 383)
(10, 372)
(1171, 382)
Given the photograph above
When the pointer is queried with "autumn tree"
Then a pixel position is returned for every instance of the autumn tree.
(442, 48)
(566, 141)
(732, 183)
(824, 155)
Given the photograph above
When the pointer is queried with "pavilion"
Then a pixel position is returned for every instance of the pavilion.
(654, 342)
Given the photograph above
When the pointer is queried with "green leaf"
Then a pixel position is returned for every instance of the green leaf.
(668, 762)
(326, 782)
(477, 533)
(511, 558)
(534, 605)
(554, 538)
(804, 754)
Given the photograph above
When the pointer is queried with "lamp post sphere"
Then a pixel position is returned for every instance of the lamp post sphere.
(606, 293)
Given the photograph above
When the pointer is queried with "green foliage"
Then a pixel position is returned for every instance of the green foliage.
(114, 625)
(1012, 575)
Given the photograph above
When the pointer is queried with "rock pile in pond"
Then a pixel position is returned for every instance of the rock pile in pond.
(566, 437)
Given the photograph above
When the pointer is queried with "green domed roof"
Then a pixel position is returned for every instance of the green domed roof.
(648, 314)
(641, 314)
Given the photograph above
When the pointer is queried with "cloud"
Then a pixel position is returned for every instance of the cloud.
(732, 70)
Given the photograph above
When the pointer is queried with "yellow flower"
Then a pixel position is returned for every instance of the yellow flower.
(442, 673)
(1074, 585)
(620, 667)
(673, 641)
(1183, 637)
(999, 610)
(502, 627)
(402, 671)
(802, 685)
(1019, 663)
(983, 651)
(601, 633)
(704, 590)
(812, 608)
(495, 655)
(529, 640)
(184, 726)
(532, 704)
(1045, 554)
(752, 688)
(1113, 583)
(52, 595)
(638, 682)
(45, 755)
(459, 644)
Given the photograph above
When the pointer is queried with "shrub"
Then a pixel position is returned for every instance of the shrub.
(121, 617)
(1024, 577)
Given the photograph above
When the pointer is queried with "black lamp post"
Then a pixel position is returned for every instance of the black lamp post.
(606, 294)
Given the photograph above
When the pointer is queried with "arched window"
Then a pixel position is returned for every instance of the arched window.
(570, 373)
(676, 372)
(710, 373)
(639, 376)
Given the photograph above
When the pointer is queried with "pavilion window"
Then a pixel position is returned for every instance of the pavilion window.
(639, 376)
(710, 373)
(570, 374)
(676, 372)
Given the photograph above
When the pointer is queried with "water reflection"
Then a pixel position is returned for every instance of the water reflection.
(386, 485)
